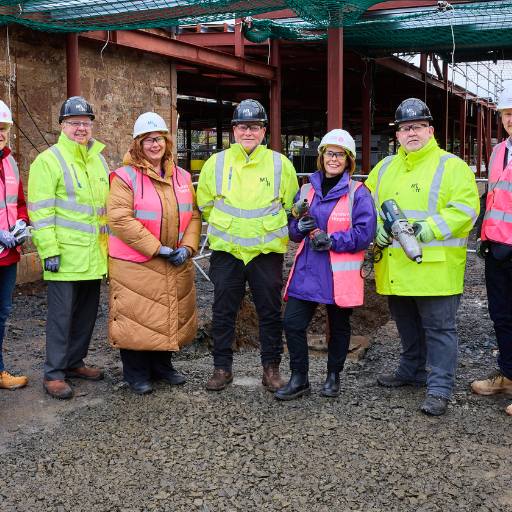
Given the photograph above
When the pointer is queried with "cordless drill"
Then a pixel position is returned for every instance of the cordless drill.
(397, 225)
(300, 208)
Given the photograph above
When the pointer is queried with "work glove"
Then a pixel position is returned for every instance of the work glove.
(306, 224)
(6, 239)
(319, 241)
(382, 236)
(178, 256)
(422, 231)
(165, 251)
(482, 248)
(17, 229)
(52, 264)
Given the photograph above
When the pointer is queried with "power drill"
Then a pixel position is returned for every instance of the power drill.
(318, 238)
(397, 225)
(300, 208)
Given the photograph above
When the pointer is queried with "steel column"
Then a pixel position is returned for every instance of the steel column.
(275, 99)
(219, 125)
(189, 142)
(500, 124)
(72, 65)
(479, 121)
(334, 78)
(366, 137)
(445, 125)
(462, 131)
(488, 134)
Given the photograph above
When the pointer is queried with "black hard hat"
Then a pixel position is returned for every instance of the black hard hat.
(412, 109)
(249, 111)
(75, 106)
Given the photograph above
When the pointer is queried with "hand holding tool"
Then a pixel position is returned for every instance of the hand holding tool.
(423, 232)
(306, 224)
(300, 208)
(319, 241)
(482, 248)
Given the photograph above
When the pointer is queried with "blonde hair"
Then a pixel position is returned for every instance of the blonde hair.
(138, 156)
(350, 163)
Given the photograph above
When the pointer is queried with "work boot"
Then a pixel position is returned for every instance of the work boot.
(174, 378)
(434, 405)
(298, 385)
(390, 380)
(496, 383)
(84, 372)
(332, 385)
(271, 378)
(58, 388)
(219, 379)
(508, 410)
(8, 381)
(141, 388)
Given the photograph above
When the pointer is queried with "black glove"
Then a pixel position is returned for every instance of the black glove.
(52, 264)
(306, 224)
(482, 248)
(319, 241)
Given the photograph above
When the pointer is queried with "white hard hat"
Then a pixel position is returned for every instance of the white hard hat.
(5, 113)
(505, 100)
(338, 138)
(149, 122)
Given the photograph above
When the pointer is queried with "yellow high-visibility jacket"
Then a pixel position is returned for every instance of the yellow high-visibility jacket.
(246, 200)
(436, 186)
(68, 189)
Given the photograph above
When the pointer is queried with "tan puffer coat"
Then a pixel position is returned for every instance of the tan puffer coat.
(152, 304)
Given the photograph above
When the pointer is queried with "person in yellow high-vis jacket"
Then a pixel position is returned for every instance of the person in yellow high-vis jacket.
(245, 194)
(438, 194)
(67, 202)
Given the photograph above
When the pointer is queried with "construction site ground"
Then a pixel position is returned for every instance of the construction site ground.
(183, 448)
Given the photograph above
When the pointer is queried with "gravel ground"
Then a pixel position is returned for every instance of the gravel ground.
(184, 449)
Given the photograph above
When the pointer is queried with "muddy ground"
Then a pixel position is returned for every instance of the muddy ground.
(182, 449)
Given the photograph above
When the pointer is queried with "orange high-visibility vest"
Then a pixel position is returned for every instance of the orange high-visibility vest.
(348, 285)
(9, 197)
(147, 208)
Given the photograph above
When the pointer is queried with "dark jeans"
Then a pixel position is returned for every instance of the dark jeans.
(428, 331)
(265, 277)
(7, 282)
(298, 315)
(498, 279)
(144, 365)
(72, 311)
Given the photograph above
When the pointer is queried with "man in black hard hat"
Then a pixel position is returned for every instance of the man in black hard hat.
(67, 192)
(245, 194)
(438, 194)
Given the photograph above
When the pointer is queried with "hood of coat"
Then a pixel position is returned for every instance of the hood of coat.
(78, 151)
(413, 158)
(146, 167)
(240, 153)
(339, 190)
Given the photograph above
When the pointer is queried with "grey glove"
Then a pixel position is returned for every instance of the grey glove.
(17, 229)
(52, 264)
(165, 251)
(179, 256)
(6, 239)
(306, 224)
(482, 249)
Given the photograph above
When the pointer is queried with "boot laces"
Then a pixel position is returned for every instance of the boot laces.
(496, 376)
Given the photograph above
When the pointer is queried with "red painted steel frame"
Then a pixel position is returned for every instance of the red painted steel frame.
(366, 145)
(275, 99)
(462, 131)
(334, 78)
(72, 65)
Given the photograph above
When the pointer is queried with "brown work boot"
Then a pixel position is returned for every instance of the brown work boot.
(84, 372)
(271, 379)
(219, 379)
(58, 388)
(8, 381)
(496, 383)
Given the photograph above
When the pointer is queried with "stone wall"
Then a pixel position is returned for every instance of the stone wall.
(119, 83)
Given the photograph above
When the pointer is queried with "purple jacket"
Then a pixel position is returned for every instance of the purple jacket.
(312, 277)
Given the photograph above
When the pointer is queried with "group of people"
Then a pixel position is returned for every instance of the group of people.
(143, 221)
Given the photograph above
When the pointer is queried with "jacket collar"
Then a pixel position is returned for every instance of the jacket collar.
(5, 153)
(80, 152)
(146, 167)
(415, 157)
(316, 179)
(239, 152)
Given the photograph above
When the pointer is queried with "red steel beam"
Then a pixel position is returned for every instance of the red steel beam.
(334, 78)
(275, 99)
(72, 65)
(366, 145)
(185, 52)
(462, 130)
(500, 135)
(478, 140)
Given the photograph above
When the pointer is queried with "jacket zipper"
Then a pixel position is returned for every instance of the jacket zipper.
(76, 177)
(230, 174)
(175, 170)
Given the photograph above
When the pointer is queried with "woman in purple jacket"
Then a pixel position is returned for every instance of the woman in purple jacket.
(312, 280)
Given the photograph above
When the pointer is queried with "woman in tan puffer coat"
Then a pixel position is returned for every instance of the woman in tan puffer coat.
(152, 300)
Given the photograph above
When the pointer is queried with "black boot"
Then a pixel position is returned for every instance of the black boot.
(297, 386)
(332, 384)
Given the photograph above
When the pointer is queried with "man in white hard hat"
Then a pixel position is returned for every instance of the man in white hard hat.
(494, 244)
(67, 191)
(13, 220)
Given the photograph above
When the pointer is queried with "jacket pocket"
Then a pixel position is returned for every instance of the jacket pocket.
(220, 220)
(74, 251)
(276, 223)
(433, 254)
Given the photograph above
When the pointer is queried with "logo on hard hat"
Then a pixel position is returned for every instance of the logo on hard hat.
(247, 112)
(4, 114)
(79, 107)
(152, 123)
(341, 139)
(411, 112)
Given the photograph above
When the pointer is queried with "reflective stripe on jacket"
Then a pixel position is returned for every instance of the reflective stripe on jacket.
(497, 224)
(147, 208)
(67, 197)
(348, 285)
(9, 197)
(432, 185)
(246, 199)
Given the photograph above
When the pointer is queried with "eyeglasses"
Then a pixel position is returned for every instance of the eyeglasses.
(416, 128)
(252, 127)
(77, 124)
(331, 154)
(149, 141)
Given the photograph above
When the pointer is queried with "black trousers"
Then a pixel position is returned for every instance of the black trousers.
(72, 311)
(229, 276)
(298, 315)
(144, 365)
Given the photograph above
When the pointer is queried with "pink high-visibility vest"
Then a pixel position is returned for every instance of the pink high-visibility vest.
(9, 197)
(147, 208)
(348, 285)
(497, 224)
